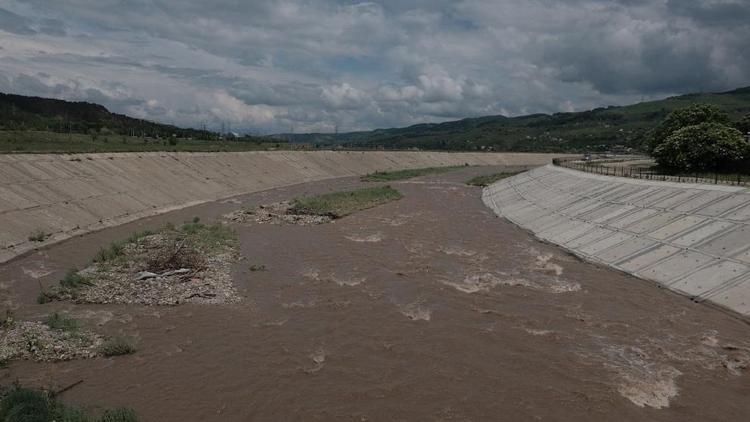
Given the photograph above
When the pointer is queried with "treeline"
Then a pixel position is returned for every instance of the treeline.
(18, 112)
(617, 129)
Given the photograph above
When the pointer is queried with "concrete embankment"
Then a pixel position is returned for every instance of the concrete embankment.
(693, 239)
(59, 196)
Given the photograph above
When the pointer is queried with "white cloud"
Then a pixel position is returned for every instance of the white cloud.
(317, 64)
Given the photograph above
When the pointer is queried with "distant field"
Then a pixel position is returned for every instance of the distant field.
(52, 142)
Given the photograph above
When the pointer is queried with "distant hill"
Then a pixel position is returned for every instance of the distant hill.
(611, 128)
(18, 112)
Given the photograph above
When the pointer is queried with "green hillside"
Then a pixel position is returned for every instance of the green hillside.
(33, 124)
(611, 128)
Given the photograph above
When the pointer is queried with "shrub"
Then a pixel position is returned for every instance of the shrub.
(61, 322)
(73, 280)
(678, 119)
(121, 414)
(117, 346)
(109, 253)
(21, 404)
(39, 236)
(744, 125)
(703, 147)
(25, 405)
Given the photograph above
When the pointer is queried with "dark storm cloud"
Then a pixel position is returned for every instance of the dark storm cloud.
(318, 64)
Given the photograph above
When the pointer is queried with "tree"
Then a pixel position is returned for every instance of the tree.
(744, 125)
(690, 116)
(704, 147)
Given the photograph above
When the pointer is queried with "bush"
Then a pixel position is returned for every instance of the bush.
(703, 147)
(38, 236)
(678, 119)
(26, 405)
(117, 346)
(21, 404)
(744, 125)
(73, 280)
(61, 322)
(122, 414)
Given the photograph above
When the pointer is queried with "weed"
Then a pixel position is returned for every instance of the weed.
(20, 404)
(340, 204)
(57, 321)
(120, 414)
(109, 253)
(39, 236)
(73, 280)
(387, 176)
(117, 346)
(255, 267)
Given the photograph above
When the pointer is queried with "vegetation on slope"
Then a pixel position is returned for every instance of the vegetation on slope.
(33, 124)
(601, 129)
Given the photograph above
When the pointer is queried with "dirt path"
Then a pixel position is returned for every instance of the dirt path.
(427, 308)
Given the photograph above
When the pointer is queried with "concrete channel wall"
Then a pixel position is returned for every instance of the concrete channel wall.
(693, 239)
(67, 195)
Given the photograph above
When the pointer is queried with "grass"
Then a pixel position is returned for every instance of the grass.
(340, 204)
(39, 236)
(20, 404)
(388, 176)
(28, 141)
(483, 181)
(57, 321)
(118, 346)
(73, 280)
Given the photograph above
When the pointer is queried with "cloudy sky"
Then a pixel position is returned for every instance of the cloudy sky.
(312, 65)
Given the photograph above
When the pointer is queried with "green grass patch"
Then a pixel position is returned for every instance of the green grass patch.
(388, 176)
(20, 404)
(61, 322)
(118, 346)
(73, 280)
(340, 204)
(489, 179)
(39, 236)
(30, 141)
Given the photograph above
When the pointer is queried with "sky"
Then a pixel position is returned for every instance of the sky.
(324, 65)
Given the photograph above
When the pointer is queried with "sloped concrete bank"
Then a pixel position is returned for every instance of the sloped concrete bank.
(59, 196)
(693, 239)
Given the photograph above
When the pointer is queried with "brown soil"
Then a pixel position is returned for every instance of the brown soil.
(427, 308)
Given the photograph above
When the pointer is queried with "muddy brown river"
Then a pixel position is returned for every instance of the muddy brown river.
(427, 308)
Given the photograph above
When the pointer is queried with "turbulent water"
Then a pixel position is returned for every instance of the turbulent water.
(427, 308)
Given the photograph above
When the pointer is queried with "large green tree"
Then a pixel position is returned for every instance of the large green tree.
(689, 116)
(707, 146)
(744, 124)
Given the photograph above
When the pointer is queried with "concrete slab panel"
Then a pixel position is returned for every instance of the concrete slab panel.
(682, 225)
(701, 200)
(648, 258)
(736, 298)
(675, 266)
(710, 278)
(741, 214)
(605, 243)
(725, 205)
(704, 232)
(729, 243)
(652, 223)
(626, 220)
(628, 248)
